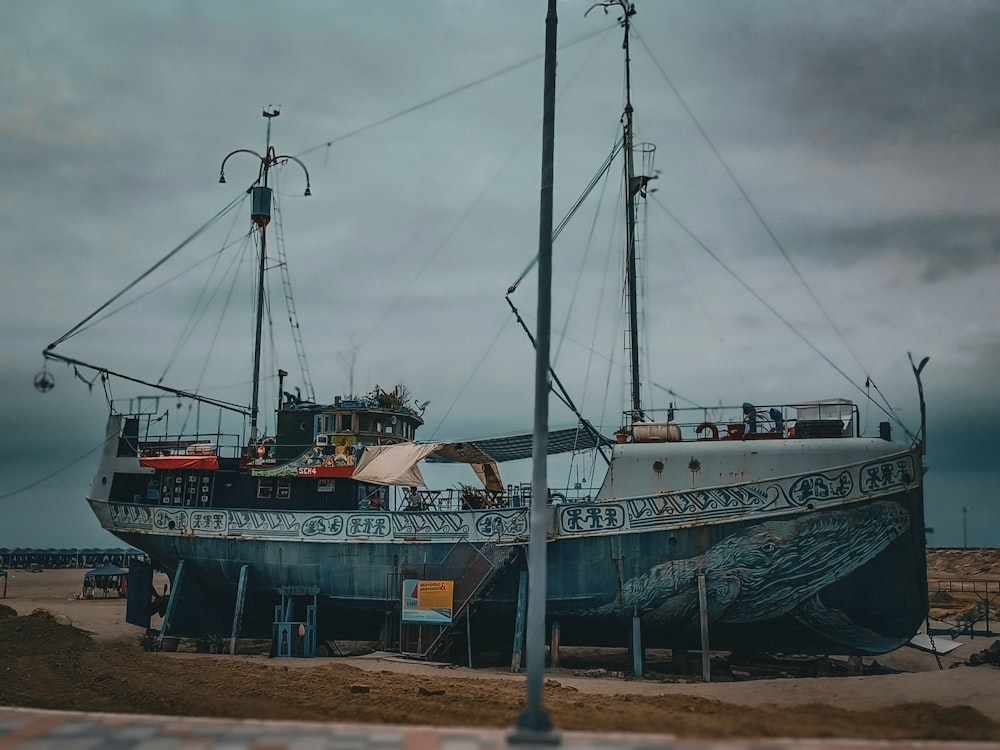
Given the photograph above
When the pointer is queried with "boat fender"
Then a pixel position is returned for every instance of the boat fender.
(714, 429)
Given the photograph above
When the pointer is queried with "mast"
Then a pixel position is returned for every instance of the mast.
(630, 271)
(260, 214)
(633, 186)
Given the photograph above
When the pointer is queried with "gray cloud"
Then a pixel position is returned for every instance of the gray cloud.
(862, 131)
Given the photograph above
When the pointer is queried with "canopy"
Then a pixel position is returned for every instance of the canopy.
(397, 464)
(393, 464)
(107, 570)
(516, 447)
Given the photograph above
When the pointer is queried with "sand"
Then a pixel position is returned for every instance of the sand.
(82, 655)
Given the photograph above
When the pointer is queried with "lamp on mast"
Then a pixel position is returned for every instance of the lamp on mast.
(260, 214)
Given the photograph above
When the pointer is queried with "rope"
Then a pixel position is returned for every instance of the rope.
(49, 476)
(772, 310)
(447, 94)
(569, 215)
(887, 408)
(76, 329)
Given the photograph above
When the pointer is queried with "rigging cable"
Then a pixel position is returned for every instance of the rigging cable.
(448, 94)
(562, 394)
(293, 317)
(763, 222)
(76, 329)
(388, 309)
(200, 307)
(887, 411)
(58, 471)
(218, 326)
(602, 170)
(468, 380)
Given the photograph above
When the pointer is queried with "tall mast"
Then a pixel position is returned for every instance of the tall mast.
(260, 214)
(630, 259)
(632, 187)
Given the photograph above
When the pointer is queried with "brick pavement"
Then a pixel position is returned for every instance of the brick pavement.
(35, 729)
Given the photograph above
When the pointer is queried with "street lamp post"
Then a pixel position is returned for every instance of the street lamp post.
(965, 527)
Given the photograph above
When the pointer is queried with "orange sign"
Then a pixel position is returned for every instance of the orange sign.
(428, 602)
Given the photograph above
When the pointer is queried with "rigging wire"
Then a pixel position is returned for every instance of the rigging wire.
(200, 308)
(389, 309)
(763, 222)
(58, 471)
(450, 93)
(885, 409)
(588, 247)
(237, 259)
(76, 329)
(601, 171)
(293, 317)
(472, 375)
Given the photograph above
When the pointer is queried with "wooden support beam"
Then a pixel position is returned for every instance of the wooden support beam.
(522, 606)
(241, 597)
(706, 663)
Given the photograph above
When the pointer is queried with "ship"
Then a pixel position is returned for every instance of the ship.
(774, 527)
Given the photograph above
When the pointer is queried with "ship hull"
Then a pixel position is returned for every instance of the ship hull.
(819, 561)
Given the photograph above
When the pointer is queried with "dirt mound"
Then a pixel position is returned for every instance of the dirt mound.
(39, 633)
(53, 665)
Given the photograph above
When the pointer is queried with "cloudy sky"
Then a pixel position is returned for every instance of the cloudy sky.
(865, 134)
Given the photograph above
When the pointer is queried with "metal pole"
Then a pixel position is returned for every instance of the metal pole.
(533, 726)
(965, 527)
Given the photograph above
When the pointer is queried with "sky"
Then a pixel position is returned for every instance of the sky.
(841, 160)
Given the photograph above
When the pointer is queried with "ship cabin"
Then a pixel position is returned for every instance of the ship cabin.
(337, 433)
(306, 465)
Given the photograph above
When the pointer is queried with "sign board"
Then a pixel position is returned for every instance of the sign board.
(427, 602)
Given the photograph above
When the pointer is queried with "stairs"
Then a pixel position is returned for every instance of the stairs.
(474, 572)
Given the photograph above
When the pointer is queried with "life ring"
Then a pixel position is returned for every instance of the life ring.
(711, 427)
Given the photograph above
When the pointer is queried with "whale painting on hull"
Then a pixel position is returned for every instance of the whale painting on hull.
(772, 569)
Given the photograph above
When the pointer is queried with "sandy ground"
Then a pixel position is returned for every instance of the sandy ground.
(48, 662)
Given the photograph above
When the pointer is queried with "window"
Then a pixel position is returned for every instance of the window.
(284, 488)
(265, 488)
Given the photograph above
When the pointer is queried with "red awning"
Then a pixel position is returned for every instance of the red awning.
(207, 463)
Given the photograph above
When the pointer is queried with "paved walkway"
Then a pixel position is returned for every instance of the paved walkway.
(33, 729)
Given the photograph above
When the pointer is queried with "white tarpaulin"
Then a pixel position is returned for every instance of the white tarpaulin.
(397, 464)
(393, 464)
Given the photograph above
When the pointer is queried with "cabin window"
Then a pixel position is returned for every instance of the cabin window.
(346, 423)
(265, 488)
(364, 424)
(284, 488)
(181, 488)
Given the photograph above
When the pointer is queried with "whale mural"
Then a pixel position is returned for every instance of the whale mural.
(769, 570)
